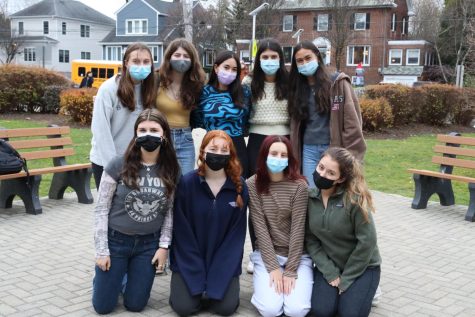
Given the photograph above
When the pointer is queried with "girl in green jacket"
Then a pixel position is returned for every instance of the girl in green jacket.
(341, 238)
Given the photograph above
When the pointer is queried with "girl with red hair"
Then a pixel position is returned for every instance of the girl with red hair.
(278, 198)
(209, 231)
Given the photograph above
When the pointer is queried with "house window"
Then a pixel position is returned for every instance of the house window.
(358, 54)
(322, 22)
(29, 54)
(288, 23)
(85, 55)
(136, 26)
(209, 58)
(287, 54)
(64, 56)
(156, 53)
(393, 22)
(85, 30)
(361, 21)
(114, 53)
(45, 27)
(63, 28)
(412, 56)
(21, 31)
(395, 57)
(244, 55)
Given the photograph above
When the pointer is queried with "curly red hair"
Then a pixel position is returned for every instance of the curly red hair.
(232, 170)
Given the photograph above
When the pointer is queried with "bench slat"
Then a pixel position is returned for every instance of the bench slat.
(465, 179)
(37, 143)
(26, 132)
(454, 150)
(47, 154)
(456, 139)
(453, 162)
(46, 170)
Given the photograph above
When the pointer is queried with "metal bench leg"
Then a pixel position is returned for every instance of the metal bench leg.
(28, 194)
(470, 215)
(78, 180)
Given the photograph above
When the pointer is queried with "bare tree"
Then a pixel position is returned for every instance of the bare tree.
(10, 44)
(426, 23)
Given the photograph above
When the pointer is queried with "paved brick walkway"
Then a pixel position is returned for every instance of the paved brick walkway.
(46, 262)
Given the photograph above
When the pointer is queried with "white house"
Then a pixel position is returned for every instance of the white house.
(54, 32)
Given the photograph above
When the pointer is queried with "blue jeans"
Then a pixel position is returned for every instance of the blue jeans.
(354, 302)
(184, 148)
(311, 155)
(131, 255)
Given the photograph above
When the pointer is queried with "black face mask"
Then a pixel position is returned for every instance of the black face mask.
(217, 161)
(148, 142)
(322, 182)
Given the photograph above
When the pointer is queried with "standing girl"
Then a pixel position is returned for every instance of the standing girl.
(133, 215)
(224, 103)
(118, 103)
(209, 231)
(181, 81)
(278, 206)
(269, 115)
(341, 238)
(323, 113)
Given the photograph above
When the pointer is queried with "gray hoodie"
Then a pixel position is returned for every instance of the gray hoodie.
(112, 123)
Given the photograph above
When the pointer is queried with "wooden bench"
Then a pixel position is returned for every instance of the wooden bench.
(44, 143)
(430, 182)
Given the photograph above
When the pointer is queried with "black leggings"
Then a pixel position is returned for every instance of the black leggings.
(240, 146)
(97, 171)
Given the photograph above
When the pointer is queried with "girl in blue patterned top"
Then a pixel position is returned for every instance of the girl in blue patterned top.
(224, 103)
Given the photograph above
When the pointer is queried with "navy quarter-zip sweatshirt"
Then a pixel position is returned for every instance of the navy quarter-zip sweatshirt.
(208, 235)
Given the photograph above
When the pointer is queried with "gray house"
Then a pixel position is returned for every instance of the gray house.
(139, 21)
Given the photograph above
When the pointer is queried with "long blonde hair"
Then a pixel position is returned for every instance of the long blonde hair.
(354, 184)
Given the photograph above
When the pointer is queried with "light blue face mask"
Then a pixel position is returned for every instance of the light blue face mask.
(140, 72)
(276, 165)
(270, 66)
(308, 69)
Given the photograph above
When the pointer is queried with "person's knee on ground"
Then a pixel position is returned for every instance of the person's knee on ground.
(224, 309)
(269, 308)
(184, 309)
(296, 309)
(136, 304)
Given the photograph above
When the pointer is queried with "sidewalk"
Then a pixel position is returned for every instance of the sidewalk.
(47, 262)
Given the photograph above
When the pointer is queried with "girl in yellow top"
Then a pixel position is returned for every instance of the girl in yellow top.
(181, 79)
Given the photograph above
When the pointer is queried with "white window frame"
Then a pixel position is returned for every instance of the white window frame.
(65, 54)
(393, 22)
(85, 55)
(366, 57)
(322, 26)
(209, 58)
(418, 56)
(391, 52)
(87, 30)
(404, 25)
(29, 54)
(284, 22)
(114, 51)
(357, 21)
(291, 48)
(45, 27)
(142, 25)
(156, 51)
(21, 28)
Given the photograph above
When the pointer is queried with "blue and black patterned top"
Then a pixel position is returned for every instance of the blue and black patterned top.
(217, 111)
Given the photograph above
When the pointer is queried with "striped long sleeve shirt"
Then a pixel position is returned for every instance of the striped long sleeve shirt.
(279, 222)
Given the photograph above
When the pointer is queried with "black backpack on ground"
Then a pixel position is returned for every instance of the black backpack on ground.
(10, 160)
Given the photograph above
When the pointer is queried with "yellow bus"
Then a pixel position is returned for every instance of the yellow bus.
(101, 70)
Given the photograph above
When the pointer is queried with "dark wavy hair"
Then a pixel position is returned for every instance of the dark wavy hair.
(168, 167)
(235, 88)
(298, 90)
(291, 172)
(193, 79)
(258, 75)
(126, 91)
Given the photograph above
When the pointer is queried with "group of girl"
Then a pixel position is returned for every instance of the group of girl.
(313, 250)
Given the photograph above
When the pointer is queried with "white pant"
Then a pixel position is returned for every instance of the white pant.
(271, 304)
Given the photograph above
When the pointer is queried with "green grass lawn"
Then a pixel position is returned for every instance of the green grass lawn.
(386, 161)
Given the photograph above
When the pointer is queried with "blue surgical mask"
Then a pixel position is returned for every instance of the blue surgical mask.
(276, 165)
(270, 66)
(308, 69)
(139, 72)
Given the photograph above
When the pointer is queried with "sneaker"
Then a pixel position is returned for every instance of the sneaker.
(377, 297)
(250, 267)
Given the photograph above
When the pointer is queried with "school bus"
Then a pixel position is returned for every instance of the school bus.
(101, 70)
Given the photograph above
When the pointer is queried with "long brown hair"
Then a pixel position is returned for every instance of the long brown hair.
(193, 79)
(235, 88)
(168, 168)
(126, 91)
(233, 170)
(354, 183)
(298, 89)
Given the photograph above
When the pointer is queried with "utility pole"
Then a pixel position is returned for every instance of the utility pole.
(188, 19)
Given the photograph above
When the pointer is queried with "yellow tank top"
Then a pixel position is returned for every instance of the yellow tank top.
(177, 116)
